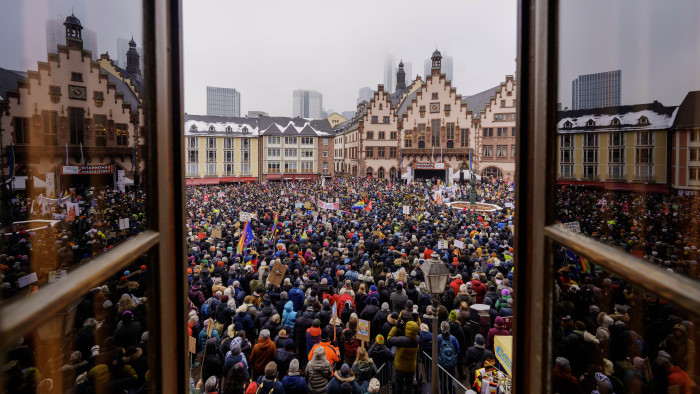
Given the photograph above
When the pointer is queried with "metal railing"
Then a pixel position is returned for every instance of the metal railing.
(448, 383)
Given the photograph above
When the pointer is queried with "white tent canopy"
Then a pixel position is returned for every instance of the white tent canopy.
(467, 175)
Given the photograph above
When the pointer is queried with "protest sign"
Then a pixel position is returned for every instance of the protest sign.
(27, 279)
(442, 245)
(573, 226)
(216, 233)
(246, 216)
(363, 330)
(459, 244)
(406, 209)
(277, 273)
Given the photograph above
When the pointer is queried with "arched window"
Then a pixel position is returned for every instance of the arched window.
(381, 106)
(245, 129)
(421, 144)
(370, 172)
(643, 120)
(392, 174)
(228, 128)
(492, 172)
(211, 128)
(193, 128)
(380, 173)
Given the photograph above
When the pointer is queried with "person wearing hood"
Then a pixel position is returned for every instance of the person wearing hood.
(342, 376)
(73, 369)
(370, 310)
(398, 299)
(263, 353)
(681, 347)
(243, 317)
(405, 356)
(234, 356)
(503, 301)
(284, 357)
(289, 317)
(497, 329)
(318, 371)
(479, 288)
(325, 314)
(363, 368)
(296, 296)
(457, 331)
(462, 296)
(268, 382)
(293, 382)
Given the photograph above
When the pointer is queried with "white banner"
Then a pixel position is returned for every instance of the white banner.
(328, 205)
(459, 244)
(121, 185)
(246, 216)
(573, 226)
(406, 210)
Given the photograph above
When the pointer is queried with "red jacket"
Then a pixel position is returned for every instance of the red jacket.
(341, 302)
(480, 290)
(455, 285)
(678, 377)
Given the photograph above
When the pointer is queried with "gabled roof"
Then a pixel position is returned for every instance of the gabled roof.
(688, 116)
(617, 118)
(294, 126)
(221, 124)
(477, 102)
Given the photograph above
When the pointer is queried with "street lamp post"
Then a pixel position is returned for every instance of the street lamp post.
(436, 275)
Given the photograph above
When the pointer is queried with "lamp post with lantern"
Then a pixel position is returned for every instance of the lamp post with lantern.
(436, 275)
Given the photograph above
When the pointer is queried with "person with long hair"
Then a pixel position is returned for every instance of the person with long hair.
(364, 368)
(236, 380)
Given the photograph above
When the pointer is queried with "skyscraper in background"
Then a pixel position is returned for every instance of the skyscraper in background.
(445, 69)
(596, 90)
(223, 102)
(56, 35)
(389, 74)
(365, 94)
(308, 104)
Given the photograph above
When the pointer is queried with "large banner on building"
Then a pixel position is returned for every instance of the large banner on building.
(429, 166)
(86, 170)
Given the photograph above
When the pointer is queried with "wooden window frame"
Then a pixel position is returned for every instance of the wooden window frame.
(164, 240)
(535, 228)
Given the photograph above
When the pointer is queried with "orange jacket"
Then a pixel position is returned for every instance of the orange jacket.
(332, 353)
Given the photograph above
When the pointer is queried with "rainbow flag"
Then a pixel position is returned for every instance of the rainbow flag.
(274, 229)
(585, 265)
(246, 237)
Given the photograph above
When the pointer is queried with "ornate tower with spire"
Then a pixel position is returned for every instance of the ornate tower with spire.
(437, 60)
(133, 58)
(74, 32)
(400, 77)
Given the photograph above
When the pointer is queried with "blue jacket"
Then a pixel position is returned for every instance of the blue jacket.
(247, 322)
(289, 316)
(296, 296)
(265, 386)
(295, 384)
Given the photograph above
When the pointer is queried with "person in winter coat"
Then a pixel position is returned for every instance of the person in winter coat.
(265, 313)
(398, 299)
(405, 357)
(128, 333)
(448, 354)
(498, 329)
(213, 363)
(363, 368)
(456, 283)
(326, 313)
(293, 382)
(503, 301)
(379, 320)
(263, 352)
(507, 310)
(318, 371)
(562, 379)
(304, 322)
(296, 296)
(331, 352)
(476, 355)
(379, 353)
(342, 376)
(234, 356)
(313, 335)
(458, 333)
(289, 317)
(268, 382)
(370, 310)
(243, 317)
(478, 288)
(236, 380)
(196, 295)
(462, 296)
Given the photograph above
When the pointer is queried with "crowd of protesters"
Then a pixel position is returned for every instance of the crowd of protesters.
(362, 261)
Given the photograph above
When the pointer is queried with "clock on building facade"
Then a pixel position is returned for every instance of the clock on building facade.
(77, 92)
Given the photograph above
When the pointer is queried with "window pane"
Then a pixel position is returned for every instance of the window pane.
(635, 182)
(610, 332)
(74, 115)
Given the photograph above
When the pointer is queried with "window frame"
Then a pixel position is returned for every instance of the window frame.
(535, 227)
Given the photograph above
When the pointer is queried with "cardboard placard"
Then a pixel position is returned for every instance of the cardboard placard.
(406, 210)
(459, 244)
(363, 194)
(112, 234)
(27, 279)
(201, 235)
(277, 273)
(307, 205)
(193, 345)
(123, 223)
(573, 226)
(314, 214)
(442, 244)
(363, 330)
(376, 233)
(216, 233)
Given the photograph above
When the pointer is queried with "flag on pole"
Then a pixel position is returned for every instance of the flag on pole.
(369, 206)
(274, 229)
(246, 237)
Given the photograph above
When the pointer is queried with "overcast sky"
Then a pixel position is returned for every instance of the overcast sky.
(268, 49)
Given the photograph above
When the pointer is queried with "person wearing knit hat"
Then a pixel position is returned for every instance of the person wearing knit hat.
(373, 386)
(294, 382)
(453, 315)
(379, 339)
(211, 385)
(341, 377)
(268, 382)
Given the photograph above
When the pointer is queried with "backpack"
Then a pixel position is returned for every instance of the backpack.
(446, 354)
(206, 308)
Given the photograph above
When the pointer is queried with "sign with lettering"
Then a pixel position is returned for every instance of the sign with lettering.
(216, 233)
(459, 244)
(86, 170)
(363, 330)
(406, 210)
(246, 216)
(277, 273)
(27, 279)
(442, 244)
(573, 226)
